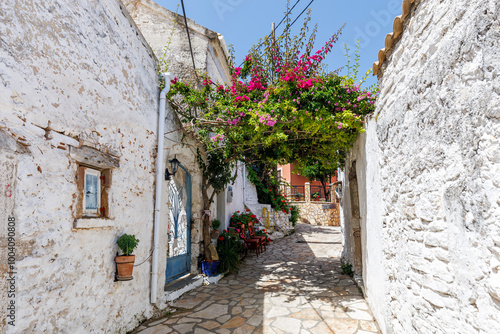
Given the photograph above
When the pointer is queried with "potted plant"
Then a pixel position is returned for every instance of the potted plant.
(215, 229)
(125, 262)
(315, 196)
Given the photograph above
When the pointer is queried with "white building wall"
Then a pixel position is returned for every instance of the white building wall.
(428, 170)
(76, 73)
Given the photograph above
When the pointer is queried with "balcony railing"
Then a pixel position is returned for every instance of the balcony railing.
(312, 193)
(318, 194)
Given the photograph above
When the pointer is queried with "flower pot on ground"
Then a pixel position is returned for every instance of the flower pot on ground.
(125, 263)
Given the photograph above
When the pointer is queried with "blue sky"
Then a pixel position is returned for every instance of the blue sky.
(243, 22)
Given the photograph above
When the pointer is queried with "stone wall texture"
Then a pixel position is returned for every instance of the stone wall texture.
(166, 33)
(428, 171)
(319, 213)
(75, 73)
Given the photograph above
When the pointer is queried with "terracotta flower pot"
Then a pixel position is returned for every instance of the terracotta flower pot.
(125, 265)
(214, 234)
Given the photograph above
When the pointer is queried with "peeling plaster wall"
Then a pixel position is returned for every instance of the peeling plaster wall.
(159, 24)
(83, 70)
(431, 152)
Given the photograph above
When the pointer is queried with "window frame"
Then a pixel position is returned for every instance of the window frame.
(91, 212)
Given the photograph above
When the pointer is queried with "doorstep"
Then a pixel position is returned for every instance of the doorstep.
(177, 288)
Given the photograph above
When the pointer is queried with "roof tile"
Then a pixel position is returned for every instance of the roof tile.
(397, 28)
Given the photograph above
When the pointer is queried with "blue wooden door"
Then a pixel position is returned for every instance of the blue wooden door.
(179, 225)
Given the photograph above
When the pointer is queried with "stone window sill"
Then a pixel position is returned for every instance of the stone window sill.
(85, 223)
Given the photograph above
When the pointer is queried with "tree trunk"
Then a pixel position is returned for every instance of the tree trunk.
(207, 202)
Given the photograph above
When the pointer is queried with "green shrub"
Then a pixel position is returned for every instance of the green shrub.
(216, 224)
(229, 248)
(347, 269)
(295, 214)
(127, 243)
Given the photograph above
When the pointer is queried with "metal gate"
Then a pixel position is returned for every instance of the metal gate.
(179, 226)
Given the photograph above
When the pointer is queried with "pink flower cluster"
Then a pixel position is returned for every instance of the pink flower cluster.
(218, 138)
(266, 119)
(243, 98)
(207, 81)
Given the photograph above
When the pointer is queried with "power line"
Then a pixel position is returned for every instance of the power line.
(310, 3)
(302, 13)
(189, 37)
(286, 15)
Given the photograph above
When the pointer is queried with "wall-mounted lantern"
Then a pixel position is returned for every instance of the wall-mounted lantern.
(174, 164)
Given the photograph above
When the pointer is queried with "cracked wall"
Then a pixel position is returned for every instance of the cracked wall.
(73, 74)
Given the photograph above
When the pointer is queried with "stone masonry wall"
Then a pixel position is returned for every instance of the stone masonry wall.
(428, 171)
(75, 73)
(318, 213)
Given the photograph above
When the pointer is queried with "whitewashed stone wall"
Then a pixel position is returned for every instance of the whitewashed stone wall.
(159, 25)
(428, 172)
(73, 73)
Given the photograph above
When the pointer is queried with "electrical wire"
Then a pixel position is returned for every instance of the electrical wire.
(189, 37)
(286, 15)
(310, 3)
(302, 13)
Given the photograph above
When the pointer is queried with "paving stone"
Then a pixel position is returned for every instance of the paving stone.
(308, 314)
(236, 310)
(309, 323)
(183, 328)
(277, 311)
(158, 329)
(291, 288)
(188, 303)
(256, 320)
(287, 325)
(368, 326)
(245, 329)
(358, 314)
(322, 328)
(224, 318)
(342, 326)
(234, 322)
(210, 324)
(211, 312)
(223, 331)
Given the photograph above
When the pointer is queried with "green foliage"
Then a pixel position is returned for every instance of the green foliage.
(265, 180)
(229, 248)
(215, 169)
(353, 71)
(295, 214)
(347, 269)
(216, 224)
(163, 61)
(316, 170)
(127, 243)
(280, 107)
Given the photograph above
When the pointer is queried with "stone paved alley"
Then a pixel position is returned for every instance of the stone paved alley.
(296, 286)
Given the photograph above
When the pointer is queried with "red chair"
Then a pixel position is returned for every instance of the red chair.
(252, 243)
(263, 239)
